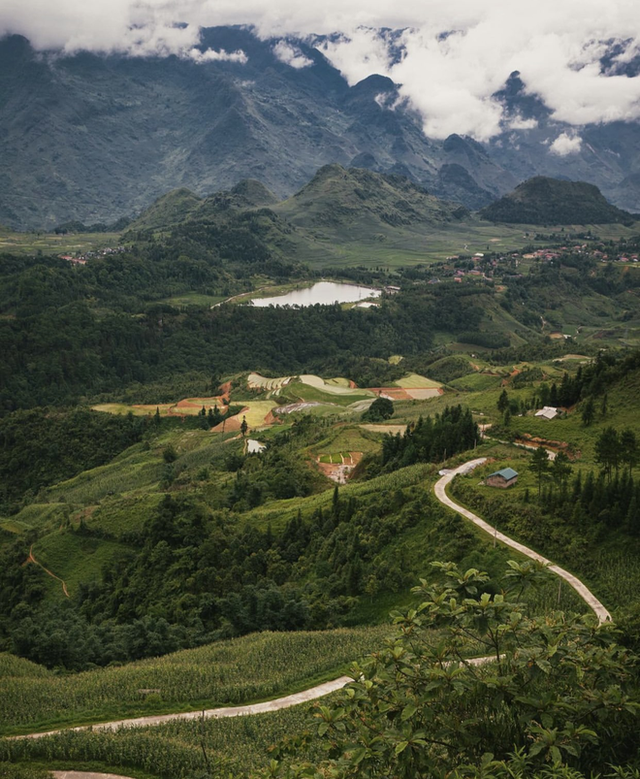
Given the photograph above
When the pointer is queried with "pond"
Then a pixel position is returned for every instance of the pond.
(324, 292)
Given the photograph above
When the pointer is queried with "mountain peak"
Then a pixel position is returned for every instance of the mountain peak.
(337, 197)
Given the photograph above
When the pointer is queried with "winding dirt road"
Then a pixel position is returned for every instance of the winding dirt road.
(328, 687)
(440, 490)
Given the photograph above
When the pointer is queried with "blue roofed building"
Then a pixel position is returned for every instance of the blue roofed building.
(503, 479)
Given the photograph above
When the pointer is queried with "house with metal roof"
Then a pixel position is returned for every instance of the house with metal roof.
(547, 412)
(503, 479)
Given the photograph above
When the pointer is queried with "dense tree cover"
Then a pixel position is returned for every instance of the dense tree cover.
(595, 502)
(379, 410)
(558, 697)
(431, 439)
(56, 346)
(193, 574)
(547, 201)
(43, 446)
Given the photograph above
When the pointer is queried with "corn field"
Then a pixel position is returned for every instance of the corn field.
(250, 668)
(232, 746)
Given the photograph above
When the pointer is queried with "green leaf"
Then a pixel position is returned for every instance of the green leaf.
(401, 747)
(408, 711)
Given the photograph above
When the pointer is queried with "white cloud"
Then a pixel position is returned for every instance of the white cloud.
(455, 54)
(566, 144)
(291, 55)
(358, 55)
(211, 55)
(518, 123)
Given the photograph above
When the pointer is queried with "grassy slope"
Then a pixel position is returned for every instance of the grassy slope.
(241, 670)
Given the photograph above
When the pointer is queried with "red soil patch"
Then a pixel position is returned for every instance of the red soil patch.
(271, 419)
(395, 393)
(352, 384)
(232, 424)
(340, 473)
(556, 446)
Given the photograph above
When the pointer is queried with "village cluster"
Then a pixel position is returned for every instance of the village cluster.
(81, 259)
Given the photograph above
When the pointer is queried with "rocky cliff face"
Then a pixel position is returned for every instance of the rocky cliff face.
(95, 138)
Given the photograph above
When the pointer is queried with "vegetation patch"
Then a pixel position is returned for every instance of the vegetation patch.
(414, 381)
(242, 670)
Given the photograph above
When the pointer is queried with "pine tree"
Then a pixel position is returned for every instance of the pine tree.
(629, 448)
(561, 469)
(588, 412)
(607, 451)
(539, 464)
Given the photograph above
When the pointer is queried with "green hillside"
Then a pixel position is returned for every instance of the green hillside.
(181, 205)
(547, 201)
(170, 209)
(337, 197)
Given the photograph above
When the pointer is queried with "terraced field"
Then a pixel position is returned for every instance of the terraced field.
(415, 381)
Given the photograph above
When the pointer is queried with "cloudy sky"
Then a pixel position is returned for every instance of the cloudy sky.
(456, 53)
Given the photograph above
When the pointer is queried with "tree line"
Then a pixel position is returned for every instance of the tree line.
(431, 439)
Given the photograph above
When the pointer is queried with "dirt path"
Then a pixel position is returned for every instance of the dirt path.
(440, 490)
(32, 559)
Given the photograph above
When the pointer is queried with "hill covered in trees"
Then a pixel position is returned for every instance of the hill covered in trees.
(546, 201)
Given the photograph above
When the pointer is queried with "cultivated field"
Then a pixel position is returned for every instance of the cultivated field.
(256, 381)
(188, 407)
(415, 381)
(241, 670)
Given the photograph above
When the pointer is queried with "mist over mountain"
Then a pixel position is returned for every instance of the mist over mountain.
(95, 137)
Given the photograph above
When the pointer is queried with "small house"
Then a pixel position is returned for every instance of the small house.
(548, 412)
(503, 479)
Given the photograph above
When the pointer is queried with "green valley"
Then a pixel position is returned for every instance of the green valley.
(206, 503)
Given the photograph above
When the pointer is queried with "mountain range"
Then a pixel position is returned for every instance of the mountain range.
(96, 138)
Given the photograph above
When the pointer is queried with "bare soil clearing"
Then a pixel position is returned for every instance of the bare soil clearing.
(339, 471)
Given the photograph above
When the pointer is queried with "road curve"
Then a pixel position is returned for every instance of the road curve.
(440, 490)
(328, 687)
(287, 701)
